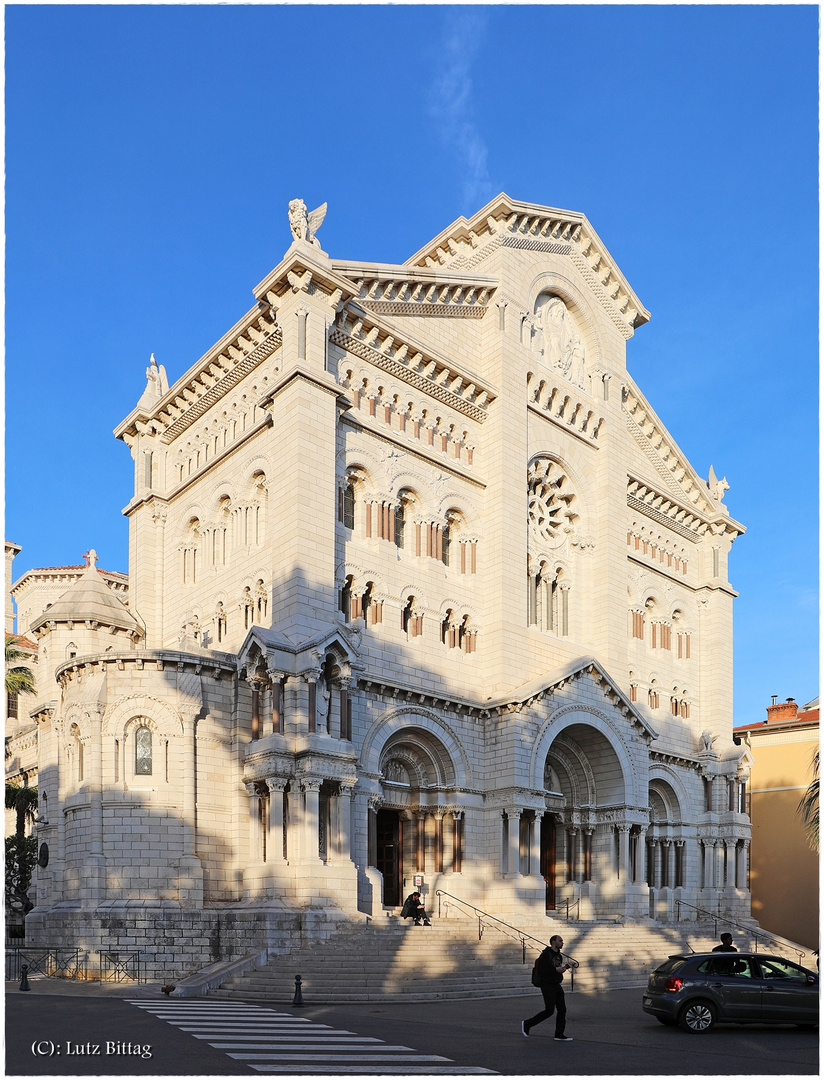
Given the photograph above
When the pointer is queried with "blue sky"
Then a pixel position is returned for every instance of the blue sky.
(151, 152)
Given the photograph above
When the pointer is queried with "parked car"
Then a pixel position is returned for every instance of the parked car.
(701, 989)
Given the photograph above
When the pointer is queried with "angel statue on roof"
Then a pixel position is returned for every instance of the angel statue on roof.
(304, 225)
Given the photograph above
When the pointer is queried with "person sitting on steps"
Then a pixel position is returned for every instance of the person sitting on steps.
(413, 909)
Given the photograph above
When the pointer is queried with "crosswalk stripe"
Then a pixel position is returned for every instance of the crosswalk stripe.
(269, 1040)
(381, 1070)
(414, 1056)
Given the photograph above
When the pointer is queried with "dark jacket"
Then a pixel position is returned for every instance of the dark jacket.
(412, 907)
(548, 964)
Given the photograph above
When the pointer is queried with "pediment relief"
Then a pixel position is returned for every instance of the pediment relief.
(557, 339)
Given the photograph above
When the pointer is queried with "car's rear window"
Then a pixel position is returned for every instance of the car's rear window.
(670, 965)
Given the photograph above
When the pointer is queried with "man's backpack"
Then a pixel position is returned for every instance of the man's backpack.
(536, 981)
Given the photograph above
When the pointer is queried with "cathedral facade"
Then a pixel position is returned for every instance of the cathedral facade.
(420, 589)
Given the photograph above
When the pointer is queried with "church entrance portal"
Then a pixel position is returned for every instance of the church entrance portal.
(390, 855)
(548, 859)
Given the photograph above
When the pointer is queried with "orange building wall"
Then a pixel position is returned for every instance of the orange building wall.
(783, 867)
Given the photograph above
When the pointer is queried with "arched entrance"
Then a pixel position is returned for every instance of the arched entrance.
(389, 836)
(548, 859)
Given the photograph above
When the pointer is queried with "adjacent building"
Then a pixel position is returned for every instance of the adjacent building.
(784, 868)
(420, 586)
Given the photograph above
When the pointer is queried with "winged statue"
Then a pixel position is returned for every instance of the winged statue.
(304, 225)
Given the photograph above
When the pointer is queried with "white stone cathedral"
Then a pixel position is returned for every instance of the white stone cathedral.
(420, 587)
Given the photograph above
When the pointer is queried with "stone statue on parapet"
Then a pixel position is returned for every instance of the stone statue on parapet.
(304, 225)
(717, 487)
(156, 382)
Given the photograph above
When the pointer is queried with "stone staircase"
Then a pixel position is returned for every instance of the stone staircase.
(389, 959)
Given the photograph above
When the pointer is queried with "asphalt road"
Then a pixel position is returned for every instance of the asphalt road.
(612, 1036)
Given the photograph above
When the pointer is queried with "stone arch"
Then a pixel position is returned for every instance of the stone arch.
(669, 791)
(579, 302)
(422, 729)
(119, 715)
(622, 771)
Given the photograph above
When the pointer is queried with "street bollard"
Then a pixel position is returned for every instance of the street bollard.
(24, 978)
(297, 1001)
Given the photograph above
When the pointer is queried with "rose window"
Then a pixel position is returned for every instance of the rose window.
(550, 499)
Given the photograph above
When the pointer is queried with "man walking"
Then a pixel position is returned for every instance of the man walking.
(551, 967)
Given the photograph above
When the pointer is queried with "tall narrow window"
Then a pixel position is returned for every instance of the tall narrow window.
(400, 522)
(143, 752)
(346, 599)
(348, 507)
(445, 540)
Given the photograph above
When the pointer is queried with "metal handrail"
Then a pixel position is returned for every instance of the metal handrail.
(520, 934)
(577, 905)
(769, 939)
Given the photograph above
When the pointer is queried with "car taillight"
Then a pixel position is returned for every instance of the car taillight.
(673, 984)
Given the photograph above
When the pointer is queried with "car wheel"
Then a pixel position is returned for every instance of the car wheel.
(666, 1021)
(697, 1017)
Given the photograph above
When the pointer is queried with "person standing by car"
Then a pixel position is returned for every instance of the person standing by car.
(550, 966)
(726, 944)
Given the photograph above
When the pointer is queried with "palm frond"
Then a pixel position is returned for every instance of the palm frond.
(808, 807)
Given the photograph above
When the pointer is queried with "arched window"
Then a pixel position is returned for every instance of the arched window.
(143, 752)
(445, 540)
(347, 505)
(400, 523)
(346, 599)
(220, 622)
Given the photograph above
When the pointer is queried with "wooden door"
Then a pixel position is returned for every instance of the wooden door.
(548, 859)
(390, 855)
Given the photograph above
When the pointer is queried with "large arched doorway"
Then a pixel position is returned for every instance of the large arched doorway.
(585, 786)
(389, 836)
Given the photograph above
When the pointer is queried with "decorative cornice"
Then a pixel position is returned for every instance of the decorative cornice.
(505, 222)
(262, 351)
(434, 377)
(664, 510)
(564, 406)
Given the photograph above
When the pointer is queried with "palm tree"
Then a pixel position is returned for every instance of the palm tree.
(21, 850)
(808, 807)
(23, 800)
(19, 678)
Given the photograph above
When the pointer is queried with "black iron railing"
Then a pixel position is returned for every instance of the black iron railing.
(485, 919)
(119, 966)
(60, 963)
(57, 962)
(569, 905)
(769, 941)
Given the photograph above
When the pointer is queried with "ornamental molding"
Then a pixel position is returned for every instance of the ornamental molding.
(436, 378)
(563, 405)
(262, 351)
(505, 222)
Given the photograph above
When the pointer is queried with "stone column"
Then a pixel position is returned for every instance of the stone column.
(623, 852)
(535, 846)
(372, 831)
(420, 841)
(191, 870)
(438, 841)
(254, 824)
(513, 864)
(730, 846)
(718, 877)
(657, 854)
(573, 855)
(741, 875)
(669, 847)
(276, 679)
(310, 834)
(708, 851)
(680, 867)
(276, 786)
(457, 841)
(343, 848)
(641, 857)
